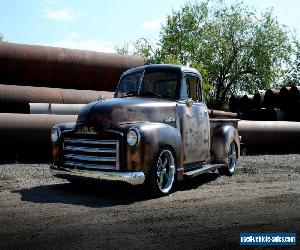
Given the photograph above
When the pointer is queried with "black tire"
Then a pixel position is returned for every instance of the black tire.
(161, 179)
(232, 160)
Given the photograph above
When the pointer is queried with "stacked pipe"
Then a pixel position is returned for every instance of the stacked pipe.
(51, 81)
(270, 120)
(26, 137)
(270, 105)
(259, 137)
(17, 99)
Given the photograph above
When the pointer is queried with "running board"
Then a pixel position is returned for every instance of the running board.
(203, 169)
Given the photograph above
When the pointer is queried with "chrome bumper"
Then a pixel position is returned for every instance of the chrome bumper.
(133, 178)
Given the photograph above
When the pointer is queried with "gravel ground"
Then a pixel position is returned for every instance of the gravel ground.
(209, 211)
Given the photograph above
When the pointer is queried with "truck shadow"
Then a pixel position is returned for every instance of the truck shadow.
(98, 195)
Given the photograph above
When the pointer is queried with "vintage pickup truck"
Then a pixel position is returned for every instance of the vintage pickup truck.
(154, 132)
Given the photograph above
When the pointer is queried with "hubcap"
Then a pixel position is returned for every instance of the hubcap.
(165, 170)
(232, 158)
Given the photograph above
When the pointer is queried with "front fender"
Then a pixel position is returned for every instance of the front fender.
(222, 137)
(153, 137)
(56, 147)
(65, 126)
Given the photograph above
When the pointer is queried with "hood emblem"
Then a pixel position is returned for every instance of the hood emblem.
(86, 130)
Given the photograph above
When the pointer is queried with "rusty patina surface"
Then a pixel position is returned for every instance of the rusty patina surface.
(33, 65)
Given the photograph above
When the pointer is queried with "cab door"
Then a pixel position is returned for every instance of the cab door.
(194, 120)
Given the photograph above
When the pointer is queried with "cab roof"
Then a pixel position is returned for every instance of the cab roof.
(169, 67)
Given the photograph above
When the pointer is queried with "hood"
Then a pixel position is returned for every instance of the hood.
(113, 112)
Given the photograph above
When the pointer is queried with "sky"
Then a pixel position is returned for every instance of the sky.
(102, 25)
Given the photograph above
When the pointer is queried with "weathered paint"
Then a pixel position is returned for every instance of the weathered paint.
(181, 126)
(110, 113)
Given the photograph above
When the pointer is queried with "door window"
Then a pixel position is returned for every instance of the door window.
(191, 89)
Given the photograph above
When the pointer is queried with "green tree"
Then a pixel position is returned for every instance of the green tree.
(292, 76)
(234, 48)
(1, 38)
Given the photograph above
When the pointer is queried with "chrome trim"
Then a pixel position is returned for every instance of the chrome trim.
(113, 131)
(91, 153)
(88, 165)
(91, 141)
(133, 178)
(138, 133)
(89, 150)
(89, 158)
(118, 155)
(59, 134)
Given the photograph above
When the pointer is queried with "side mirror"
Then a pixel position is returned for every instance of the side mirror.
(189, 102)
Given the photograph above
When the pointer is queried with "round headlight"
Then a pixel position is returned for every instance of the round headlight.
(55, 134)
(133, 137)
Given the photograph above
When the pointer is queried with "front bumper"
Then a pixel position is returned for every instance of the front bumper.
(133, 178)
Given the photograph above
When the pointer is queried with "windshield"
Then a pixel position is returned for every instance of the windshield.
(154, 84)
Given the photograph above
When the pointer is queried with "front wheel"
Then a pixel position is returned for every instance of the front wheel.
(162, 176)
(232, 159)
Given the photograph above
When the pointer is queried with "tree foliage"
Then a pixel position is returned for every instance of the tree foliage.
(234, 48)
(292, 76)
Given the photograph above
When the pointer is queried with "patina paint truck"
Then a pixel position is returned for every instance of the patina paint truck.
(155, 131)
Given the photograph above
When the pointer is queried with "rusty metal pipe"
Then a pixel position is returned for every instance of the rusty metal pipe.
(221, 114)
(284, 99)
(271, 99)
(294, 107)
(16, 99)
(294, 92)
(270, 136)
(46, 66)
(258, 99)
(246, 102)
(268, 114)
(55, 108)
(235, 103)
(26, 137)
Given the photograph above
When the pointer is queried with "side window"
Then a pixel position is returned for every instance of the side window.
(191, 89)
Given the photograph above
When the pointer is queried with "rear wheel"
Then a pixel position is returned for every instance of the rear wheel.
(232, 159)
(161, 178)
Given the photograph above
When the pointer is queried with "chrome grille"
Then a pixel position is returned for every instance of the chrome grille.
(91, 154)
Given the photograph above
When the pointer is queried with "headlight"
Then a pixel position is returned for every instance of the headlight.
(133, 137)
(55, 134)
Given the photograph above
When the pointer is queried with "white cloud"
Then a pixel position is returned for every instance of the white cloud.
(73, 35)
(72, 41)
(50, 1)
(65, 14)
(153, 24)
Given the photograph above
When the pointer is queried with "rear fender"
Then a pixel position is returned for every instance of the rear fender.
(222, 137)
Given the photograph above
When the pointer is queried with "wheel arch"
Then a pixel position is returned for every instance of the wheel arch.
(156, 136)
(222, 137)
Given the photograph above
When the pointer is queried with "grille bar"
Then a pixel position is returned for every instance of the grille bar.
(89, 150)
(89, 158)
(86, 165)
(91, 141)
(91, 153)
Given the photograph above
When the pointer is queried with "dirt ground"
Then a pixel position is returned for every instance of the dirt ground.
(209, 211)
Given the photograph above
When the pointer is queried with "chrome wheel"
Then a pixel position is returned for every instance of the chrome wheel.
(232, 158)
(165, 171)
